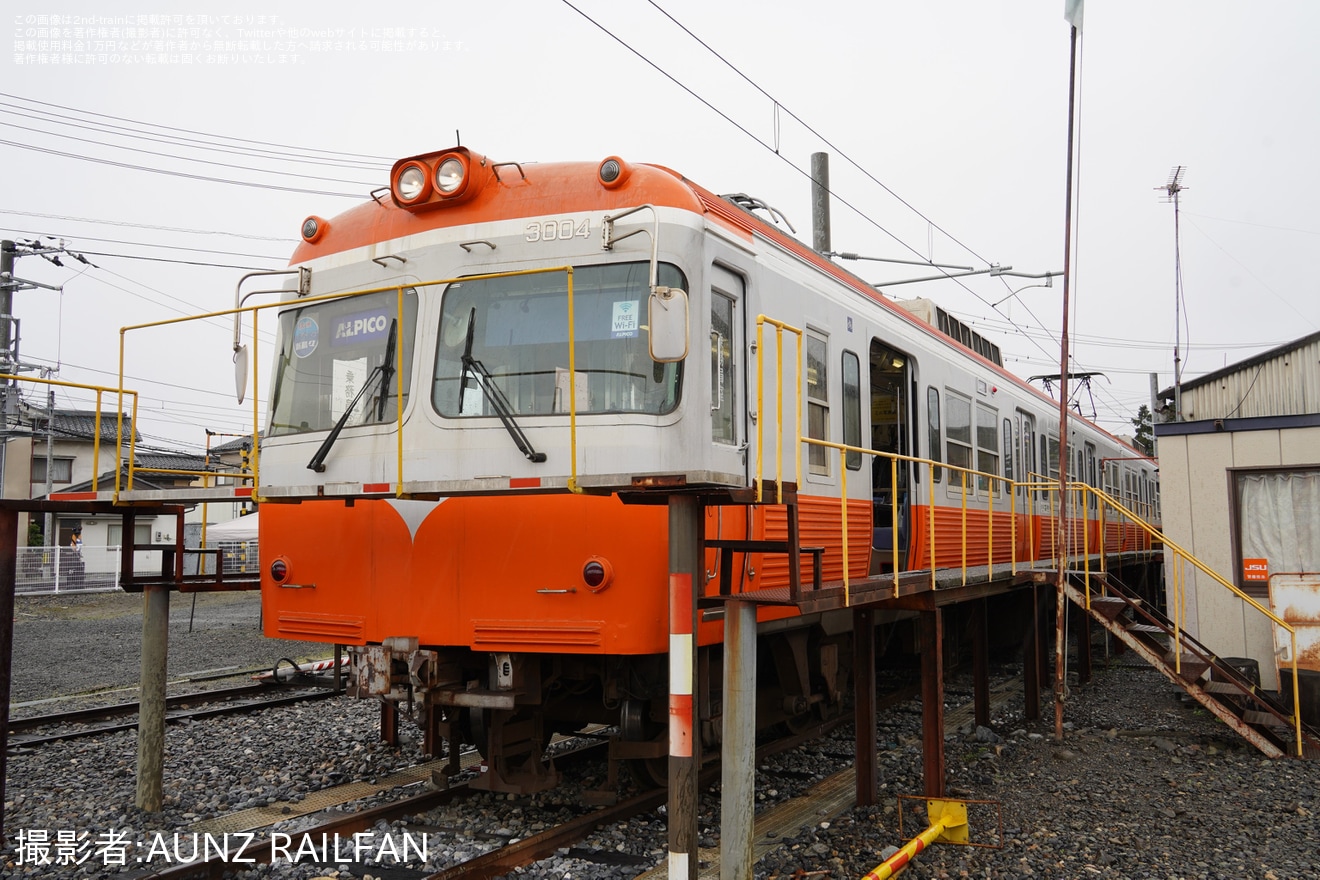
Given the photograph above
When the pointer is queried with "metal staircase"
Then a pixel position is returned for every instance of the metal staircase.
(1228, 694)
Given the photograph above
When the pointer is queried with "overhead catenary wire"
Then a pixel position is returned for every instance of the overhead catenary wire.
(773, 147)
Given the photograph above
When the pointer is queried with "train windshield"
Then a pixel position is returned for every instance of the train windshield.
(332, 362)
(514, 331)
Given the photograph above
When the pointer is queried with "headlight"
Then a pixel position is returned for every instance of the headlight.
(449, 175)
(411, 184)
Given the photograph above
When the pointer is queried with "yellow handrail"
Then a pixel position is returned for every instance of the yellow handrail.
(96, 419)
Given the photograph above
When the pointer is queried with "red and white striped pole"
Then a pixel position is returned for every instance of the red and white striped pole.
(684, 749)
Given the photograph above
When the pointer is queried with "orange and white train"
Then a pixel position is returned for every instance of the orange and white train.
(470, 445)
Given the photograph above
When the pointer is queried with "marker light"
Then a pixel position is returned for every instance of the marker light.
(449, 175)
(597, 574)
(411, 185)
(612, 172)
(279, 570)
(314, 229)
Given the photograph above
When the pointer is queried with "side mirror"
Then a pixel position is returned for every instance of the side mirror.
(240, 371)
(667, 315)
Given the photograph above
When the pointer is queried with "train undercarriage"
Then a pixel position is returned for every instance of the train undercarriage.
(510, 705)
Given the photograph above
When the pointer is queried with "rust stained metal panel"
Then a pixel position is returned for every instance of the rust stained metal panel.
(1296, 599)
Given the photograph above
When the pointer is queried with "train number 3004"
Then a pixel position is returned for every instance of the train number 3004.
(556, 230)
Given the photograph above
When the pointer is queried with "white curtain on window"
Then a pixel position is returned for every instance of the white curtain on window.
(1279, 519)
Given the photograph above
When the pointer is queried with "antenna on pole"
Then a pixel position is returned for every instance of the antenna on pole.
(1172, 189)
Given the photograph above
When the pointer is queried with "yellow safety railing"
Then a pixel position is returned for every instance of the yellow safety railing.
(256, 309)
(1179, 560)
(780, 329)
(100, 390)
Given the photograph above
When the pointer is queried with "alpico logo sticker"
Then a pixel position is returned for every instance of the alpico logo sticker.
(306, 334)
(361, 327)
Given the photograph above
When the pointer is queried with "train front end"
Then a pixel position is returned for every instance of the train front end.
(470, 370)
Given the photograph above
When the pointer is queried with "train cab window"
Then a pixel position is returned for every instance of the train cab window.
(933, 429)
(818, 404)
(958, 432)
(722, 389)
(340, 354)
(515, 331)
(987, 447)
(852, 408)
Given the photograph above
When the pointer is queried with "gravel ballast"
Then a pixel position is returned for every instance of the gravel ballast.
(1144, 785)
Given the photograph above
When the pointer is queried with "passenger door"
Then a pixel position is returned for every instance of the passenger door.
(728, 430)
(891, 431)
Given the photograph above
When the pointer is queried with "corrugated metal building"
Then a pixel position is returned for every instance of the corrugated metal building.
(1240, 486)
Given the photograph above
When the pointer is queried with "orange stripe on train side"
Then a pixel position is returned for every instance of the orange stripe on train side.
(73, 496)
(524, 482)
(375, 487)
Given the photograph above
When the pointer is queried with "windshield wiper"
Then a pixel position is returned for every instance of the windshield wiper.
(498, 401)
(385, 373)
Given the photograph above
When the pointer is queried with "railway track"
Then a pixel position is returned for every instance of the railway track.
(511, 856)
(38, 730)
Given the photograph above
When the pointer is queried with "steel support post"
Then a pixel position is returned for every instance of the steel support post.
(8, 578)
(932, 702)
(1031, 663)
(389, 723)
(686, 568)
(738, 751)
(864, 705)
(151, 706)
(980, 663)
(1082, 631)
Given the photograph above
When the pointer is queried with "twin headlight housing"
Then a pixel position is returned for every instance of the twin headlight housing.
(430, 180)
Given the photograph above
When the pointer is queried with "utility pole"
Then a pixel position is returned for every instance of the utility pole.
(1172, 189)
(6, 309)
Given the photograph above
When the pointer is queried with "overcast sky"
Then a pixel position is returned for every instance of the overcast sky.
(946, 122)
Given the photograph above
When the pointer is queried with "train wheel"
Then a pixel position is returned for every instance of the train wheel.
(635, 725)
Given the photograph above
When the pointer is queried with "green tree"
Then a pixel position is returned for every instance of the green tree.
(1144, 439)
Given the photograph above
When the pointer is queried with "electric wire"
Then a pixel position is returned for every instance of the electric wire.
(127, 223)
(183, 174)
(773, 148)
(191, 143)
(209, 135)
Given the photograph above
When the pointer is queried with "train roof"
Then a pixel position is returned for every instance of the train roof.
(494, 191)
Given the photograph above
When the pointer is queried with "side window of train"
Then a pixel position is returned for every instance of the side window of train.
(852, 408)
(1051, 445)
(987, 447)
(1008, 449)
(933, 427)
(818, 403)
(722, 373)
(957, 433)
(1090, 475)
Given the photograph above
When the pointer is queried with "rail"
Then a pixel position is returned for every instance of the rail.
(101, 390)
(252, 385)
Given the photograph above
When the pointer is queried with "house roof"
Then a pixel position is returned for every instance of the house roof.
(174, 461)
(78, 424)
(1263, 357)
(237, 445)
